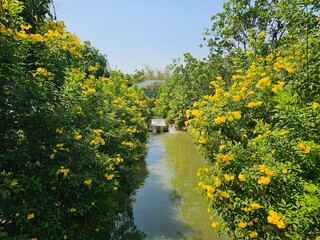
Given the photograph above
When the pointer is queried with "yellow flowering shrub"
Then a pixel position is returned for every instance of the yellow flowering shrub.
(62, 126)
(261, 150)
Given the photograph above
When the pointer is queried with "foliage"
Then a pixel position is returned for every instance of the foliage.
(257, 122)
(149, 73)
(243, 22)
(70, 136)
(262, 148)
(187, 84)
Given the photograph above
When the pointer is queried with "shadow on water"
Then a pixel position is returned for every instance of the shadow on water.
(125, 227)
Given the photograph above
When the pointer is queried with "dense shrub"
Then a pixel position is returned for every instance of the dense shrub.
(70, 136)
(257, 122)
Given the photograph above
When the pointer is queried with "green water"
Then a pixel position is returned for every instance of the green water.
(167, 205)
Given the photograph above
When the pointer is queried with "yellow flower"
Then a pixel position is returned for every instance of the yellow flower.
(75, 70)
(59, 145)
(262, 168)
(210, 195)
(281, 224)
(196, 112)
(230, 118)
(217, 182)
(291, 69)
(25, 27)
(264, 180)
(13, 183)
(228, 177)
(247, 209)
(225, 157)
(263, 82)
(269, 172)
(72, 210)
(242, 177)
(253, 234)
(255, 205)
(219, 120)
(118, 159)
(242, 224)
(42, 71)
(275, 219)
(63, 170)
(109, 176)
(52, 156)
(37, 37)
(90, 90)
(254, 104)
(87, 181)
(283, 132)
(215, 224)
(284, 171)
(278, 87)
(30, 216)
(224, 194)
(92, 69)
(258, 104)
(314, 106)
(78, 137)
(237, 114)
(74, 52)
(305, 148)
(97, 131)
(236, 98)
(251, 105)
(65, 237)
(221, 147)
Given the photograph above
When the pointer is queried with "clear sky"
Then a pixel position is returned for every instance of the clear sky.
(135, 33)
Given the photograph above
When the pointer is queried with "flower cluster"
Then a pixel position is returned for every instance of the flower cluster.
(275, 219)
(63, 170)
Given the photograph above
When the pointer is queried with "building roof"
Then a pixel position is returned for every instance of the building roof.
(147, 83)
(158, 122)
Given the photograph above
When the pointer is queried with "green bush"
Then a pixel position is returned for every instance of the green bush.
(70, 136)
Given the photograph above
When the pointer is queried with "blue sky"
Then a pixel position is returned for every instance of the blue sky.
(135, 33)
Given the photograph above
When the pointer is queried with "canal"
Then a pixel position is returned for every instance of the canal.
(167, 205)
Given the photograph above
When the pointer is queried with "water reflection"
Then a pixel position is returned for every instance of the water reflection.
(175, 198)
(168, 207)
(125, 227)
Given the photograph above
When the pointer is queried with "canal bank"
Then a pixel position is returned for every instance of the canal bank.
(167, 205)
